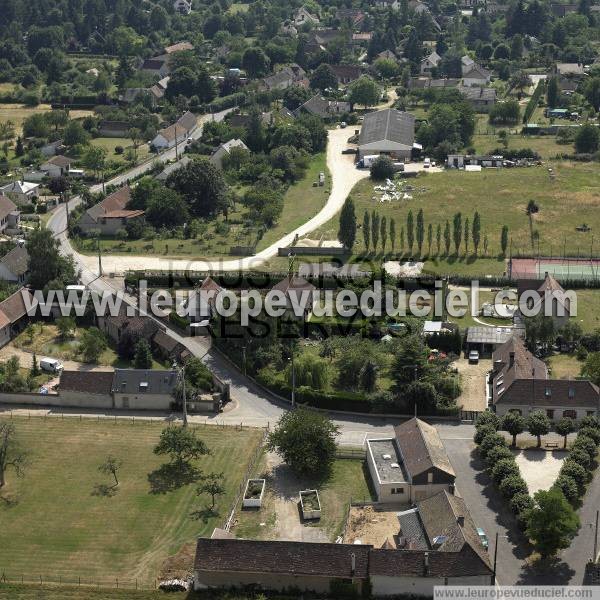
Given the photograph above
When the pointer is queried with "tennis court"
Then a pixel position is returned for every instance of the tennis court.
(561, 268)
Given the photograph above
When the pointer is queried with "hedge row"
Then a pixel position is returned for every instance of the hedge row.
(348, 401)
(577, 468)
(345, 401)
(178, 321)
(502, 467)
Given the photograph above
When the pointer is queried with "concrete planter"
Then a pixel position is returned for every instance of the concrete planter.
(310, 504)
(253, 495)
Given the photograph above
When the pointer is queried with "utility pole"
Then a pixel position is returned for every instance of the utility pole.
(185, 419)
(99, 258)
(495, 557)
(293, 377)
(244, 360)
(67, 207)
(595, 557)
(176, 144)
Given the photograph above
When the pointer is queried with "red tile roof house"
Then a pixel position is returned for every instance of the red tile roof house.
(91, 389)
(520, 383)
(447, 551)
(13, 315)
(110, 215)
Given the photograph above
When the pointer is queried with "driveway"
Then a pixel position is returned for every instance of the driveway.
(488, 509)
(473, 379)
(344, 176)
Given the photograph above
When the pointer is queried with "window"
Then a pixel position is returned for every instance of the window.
(430, 477)
(571, 414)
(571, 392)
(590, 413)
(517, 411)
(548, 392)
(397, 490)
(550, 413)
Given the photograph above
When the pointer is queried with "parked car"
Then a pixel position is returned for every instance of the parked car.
(343, 125)
(483, 538)
(473, 357)
(51, 365)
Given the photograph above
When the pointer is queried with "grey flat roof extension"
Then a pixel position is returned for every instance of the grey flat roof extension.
(387, 473)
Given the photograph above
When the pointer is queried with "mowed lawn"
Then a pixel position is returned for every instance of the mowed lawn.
(30, 592)
(501, 196)
(301, 202)
(109, 144)
(56, 525)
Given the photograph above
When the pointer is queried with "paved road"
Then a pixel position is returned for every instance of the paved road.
(491, 512)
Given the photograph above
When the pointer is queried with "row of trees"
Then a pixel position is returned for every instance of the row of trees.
(377, 230)
(548, 519)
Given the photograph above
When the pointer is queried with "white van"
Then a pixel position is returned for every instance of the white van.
(51, 365)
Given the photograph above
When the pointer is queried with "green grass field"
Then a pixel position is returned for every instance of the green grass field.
(501, 197)
(37, 592)
(55, 524)
(109, 144)
(564, 366)
(301, 202)
(588, 309)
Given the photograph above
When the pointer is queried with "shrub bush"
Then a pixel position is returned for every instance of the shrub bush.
(487, 417)
(589, 421)
(504, 468)
(568, 486)
(582, 442)
(178, 321)
(520, 503)
(496, 454)
(491, 441)
(576, 472)
(512, 485)
(590, 432)
(482, 432)
(581, 457)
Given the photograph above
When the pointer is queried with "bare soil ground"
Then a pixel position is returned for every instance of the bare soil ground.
(371, 526)
(473, 383)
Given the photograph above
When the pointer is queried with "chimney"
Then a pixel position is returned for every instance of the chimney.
(426, 562)
(511, 360)
(353, 561)
(460, 520)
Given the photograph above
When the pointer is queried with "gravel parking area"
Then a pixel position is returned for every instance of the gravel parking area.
(540, 468)
(473, 377)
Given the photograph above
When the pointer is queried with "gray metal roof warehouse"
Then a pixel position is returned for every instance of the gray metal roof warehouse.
(388, 131)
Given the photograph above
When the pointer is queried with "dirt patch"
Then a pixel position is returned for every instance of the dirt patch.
(371, 526)
(473, 383)
(180, 565)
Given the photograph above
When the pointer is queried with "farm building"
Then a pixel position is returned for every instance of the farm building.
(388, 131)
